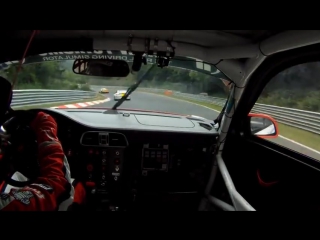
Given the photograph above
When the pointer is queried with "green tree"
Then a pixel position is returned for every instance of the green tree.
(46, 75)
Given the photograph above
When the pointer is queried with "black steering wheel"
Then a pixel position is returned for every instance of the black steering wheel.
(18, 147)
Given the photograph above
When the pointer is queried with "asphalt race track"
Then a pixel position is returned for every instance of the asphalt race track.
(154, 102)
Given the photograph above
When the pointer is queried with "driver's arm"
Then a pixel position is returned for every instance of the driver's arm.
(53, 188)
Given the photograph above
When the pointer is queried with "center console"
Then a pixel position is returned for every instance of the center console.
(104, 154)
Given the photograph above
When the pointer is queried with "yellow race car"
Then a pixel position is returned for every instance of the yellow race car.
(104, 90)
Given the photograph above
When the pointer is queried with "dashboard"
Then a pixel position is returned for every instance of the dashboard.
(133, 160)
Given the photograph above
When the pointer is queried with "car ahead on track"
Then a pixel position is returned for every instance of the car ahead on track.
(104, 90)
(172, 148)
(119, 94)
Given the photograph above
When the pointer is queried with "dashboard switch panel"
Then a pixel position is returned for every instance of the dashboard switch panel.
(155, 157)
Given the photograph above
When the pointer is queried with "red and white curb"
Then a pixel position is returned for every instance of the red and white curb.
(83, 104)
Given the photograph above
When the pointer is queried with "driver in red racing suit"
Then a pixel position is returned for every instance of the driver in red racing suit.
(53, 189)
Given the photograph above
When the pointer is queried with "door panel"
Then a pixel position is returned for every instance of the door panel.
(297, 184)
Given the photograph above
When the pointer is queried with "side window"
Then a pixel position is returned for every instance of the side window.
(292, 97)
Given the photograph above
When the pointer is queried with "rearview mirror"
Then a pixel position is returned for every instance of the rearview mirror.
(263, 126)
(101, 68)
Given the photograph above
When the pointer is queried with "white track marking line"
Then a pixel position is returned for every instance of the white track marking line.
(311, 149)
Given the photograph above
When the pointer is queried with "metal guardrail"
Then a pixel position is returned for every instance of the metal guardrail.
(37, 96)
(305, 120)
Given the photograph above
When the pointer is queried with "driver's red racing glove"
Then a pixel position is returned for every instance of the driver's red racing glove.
(52, 190)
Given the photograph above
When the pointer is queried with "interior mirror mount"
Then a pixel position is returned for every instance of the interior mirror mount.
(263, 126)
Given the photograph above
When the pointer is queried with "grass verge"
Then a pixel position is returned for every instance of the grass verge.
(298, 135)
(47, 105)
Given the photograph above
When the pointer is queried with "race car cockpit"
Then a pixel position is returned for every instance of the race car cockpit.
(131, 159)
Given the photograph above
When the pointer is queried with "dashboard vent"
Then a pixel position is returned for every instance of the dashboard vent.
(206, 126)
(90, 139)
(104, 139)
(117, 140)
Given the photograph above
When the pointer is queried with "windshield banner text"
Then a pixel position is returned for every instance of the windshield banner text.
(178, 62)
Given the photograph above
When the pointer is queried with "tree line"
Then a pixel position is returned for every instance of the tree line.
(295, 87)
(46, 75)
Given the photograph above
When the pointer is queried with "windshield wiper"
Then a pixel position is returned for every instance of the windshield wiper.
(220, 116)
(130, 90)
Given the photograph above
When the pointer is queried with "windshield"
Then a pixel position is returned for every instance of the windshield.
(188, 87)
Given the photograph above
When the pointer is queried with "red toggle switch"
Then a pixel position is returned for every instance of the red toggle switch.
(90, 184)
(90, 167)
